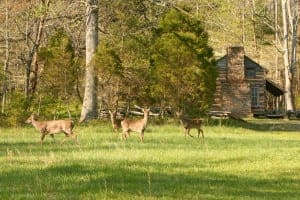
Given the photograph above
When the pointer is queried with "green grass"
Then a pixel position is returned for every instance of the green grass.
(252, 161)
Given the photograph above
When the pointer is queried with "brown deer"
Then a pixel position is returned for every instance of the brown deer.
(116, 123)
(138, 125)
(189, 124)
(53, 127)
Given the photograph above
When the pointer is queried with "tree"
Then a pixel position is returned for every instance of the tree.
(89, 107)
(6, 62)
(58, 74)
(290, 17)
(32, 67)
(123, 56)
(183, 63)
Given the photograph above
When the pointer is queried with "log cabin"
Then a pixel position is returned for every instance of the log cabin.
(242, 86)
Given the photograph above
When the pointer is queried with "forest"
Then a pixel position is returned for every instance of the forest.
(69, 58)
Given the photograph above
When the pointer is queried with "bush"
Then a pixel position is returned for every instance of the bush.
(15, 114)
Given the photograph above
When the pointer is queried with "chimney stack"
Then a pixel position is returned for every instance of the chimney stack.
(235, 64)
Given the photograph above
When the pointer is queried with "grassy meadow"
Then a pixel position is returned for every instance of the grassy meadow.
(258, 160)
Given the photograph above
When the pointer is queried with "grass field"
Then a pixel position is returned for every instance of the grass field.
(252, 161)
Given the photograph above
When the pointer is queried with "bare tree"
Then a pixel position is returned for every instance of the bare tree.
(33, 43)
(290, 25)
(6, 61)
(89, 108)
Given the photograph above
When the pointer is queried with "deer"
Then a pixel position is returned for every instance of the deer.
(138, 125)
(189, 124)
(53, 127)
(116, 123)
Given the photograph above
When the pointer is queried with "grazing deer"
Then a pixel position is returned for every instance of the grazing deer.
(188, 124)
(138, 125)
(52, 127)
(116, 123)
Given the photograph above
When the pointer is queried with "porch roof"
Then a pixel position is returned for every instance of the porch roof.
(274, 88)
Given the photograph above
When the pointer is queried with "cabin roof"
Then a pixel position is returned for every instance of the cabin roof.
(248, 63)
(271, 86)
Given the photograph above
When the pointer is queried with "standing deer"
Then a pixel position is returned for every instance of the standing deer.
(138, 125)
(188, 124)
(53, 127)
(116, 123)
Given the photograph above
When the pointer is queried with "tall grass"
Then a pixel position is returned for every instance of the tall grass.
(256, 161)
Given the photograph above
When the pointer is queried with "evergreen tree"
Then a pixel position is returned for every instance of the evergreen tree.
(183, 63)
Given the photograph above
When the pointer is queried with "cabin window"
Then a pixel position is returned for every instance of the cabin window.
(250, 73)
(254, 96)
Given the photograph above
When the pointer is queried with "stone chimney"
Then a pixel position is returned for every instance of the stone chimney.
(235, 64)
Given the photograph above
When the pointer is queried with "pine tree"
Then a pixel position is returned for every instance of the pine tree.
(183, 63)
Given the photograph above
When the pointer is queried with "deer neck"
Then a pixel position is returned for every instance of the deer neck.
(181, 117)
(112, 118)
(145, 119)
(36, 124)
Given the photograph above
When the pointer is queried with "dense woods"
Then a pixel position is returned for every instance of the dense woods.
(58, 56)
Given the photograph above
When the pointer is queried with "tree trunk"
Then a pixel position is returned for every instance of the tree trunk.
(276, 40)
(89, 108)
(294, 28)
(277, 78)
(253, 11)
(32, 67)
(298, 52)
(6, 62)
(287, 67)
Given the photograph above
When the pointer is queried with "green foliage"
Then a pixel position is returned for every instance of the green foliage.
(111, 73)
(108, 61)
(59, 76)
(123, 55)
(165, 61)
(59, 71)
(183, 63)
(15, 114)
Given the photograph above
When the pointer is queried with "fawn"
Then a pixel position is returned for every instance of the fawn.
(188, 124)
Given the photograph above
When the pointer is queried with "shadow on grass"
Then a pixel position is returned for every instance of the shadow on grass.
(258, 124)
(135, 180)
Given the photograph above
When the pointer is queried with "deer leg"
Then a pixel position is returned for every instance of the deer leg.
(185, 132)
(75, 139)
(67, 136)
(188, 131)
(200, 131)
(52, 135)
(142, 136)
(70, 134)
(74, 135)
(42, 138)
(125, 135)
(63, 141)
